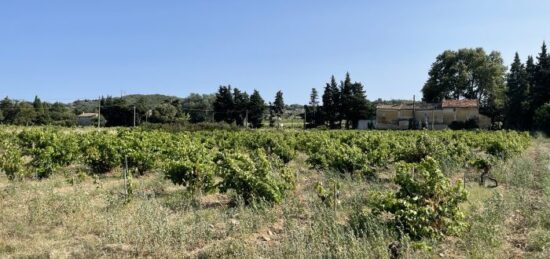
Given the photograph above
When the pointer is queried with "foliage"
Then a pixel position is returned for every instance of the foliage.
(279, 104)
(426, 205)
(328, 197)
(101, 152)
(11, 159)
(164, 113)
(542, 118)
(253, 177)
(471, 74)
(257, 108)
(517, 94)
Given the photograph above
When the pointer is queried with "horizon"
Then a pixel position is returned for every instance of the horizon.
(66, 51)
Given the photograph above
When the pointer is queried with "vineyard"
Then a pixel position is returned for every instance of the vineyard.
(265, 192)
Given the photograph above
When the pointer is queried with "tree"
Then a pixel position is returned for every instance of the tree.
(542, 118)
(471, 74)
(60, 114)
(164, 113)
(279, 104)
(223, 105)
(359, 105)
(530, 69)
(313, 98)
(541, 87)
(199, 106)
(346, 101)
(241, 103)
(24, 114)
(7, 108)
(256, 110)
(42, 117)
(331, 104)
(312, 113)
(517, 108)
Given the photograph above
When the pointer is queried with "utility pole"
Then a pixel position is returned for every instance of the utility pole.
(305, 116)
(134, 116)
(414, 115)
(246, 119)
(99, 113)
(433, 119)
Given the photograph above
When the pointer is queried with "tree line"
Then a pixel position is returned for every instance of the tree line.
(35, 113)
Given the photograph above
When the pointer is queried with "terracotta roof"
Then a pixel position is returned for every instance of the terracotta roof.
(464, 103)
(408, 106)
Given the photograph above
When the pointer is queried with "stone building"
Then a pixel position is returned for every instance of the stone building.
(429, 115)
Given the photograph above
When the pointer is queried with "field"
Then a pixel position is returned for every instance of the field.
(297, 194)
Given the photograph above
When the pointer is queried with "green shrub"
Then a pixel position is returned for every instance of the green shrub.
(191, 175)
(11, 160)
(102, 152)
(253, 177)
(542, 118)
(426, 205)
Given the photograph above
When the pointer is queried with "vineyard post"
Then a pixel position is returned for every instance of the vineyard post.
(335, 197)
(246, 119)
(464, 177)
(126, 175)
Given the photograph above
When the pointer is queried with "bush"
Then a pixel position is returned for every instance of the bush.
(461, 125)
(253, 177)
(101, 152)
(11, 160)
(194, 176)
(542, 118)
(426, 205)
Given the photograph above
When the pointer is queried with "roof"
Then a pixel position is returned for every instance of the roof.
(408, 106)
(88, 114)
(451, 103)
(464, 103)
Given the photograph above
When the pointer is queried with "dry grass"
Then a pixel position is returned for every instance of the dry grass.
(92, 218)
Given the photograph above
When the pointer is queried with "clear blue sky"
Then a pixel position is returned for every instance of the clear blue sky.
(65, 50)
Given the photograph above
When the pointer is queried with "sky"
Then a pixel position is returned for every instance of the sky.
(68, 50)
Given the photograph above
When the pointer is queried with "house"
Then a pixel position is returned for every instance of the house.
(429, 115)
(87, 119)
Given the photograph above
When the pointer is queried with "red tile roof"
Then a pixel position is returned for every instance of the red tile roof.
(465, 103)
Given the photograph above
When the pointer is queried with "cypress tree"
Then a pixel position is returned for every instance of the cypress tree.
(241, 103)
(516, 95)
(331, 103)
(256, 110)
(279, 104)
(312, 111)
(346, 101)
(541, 89)
(359, 104)
(223, 105)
